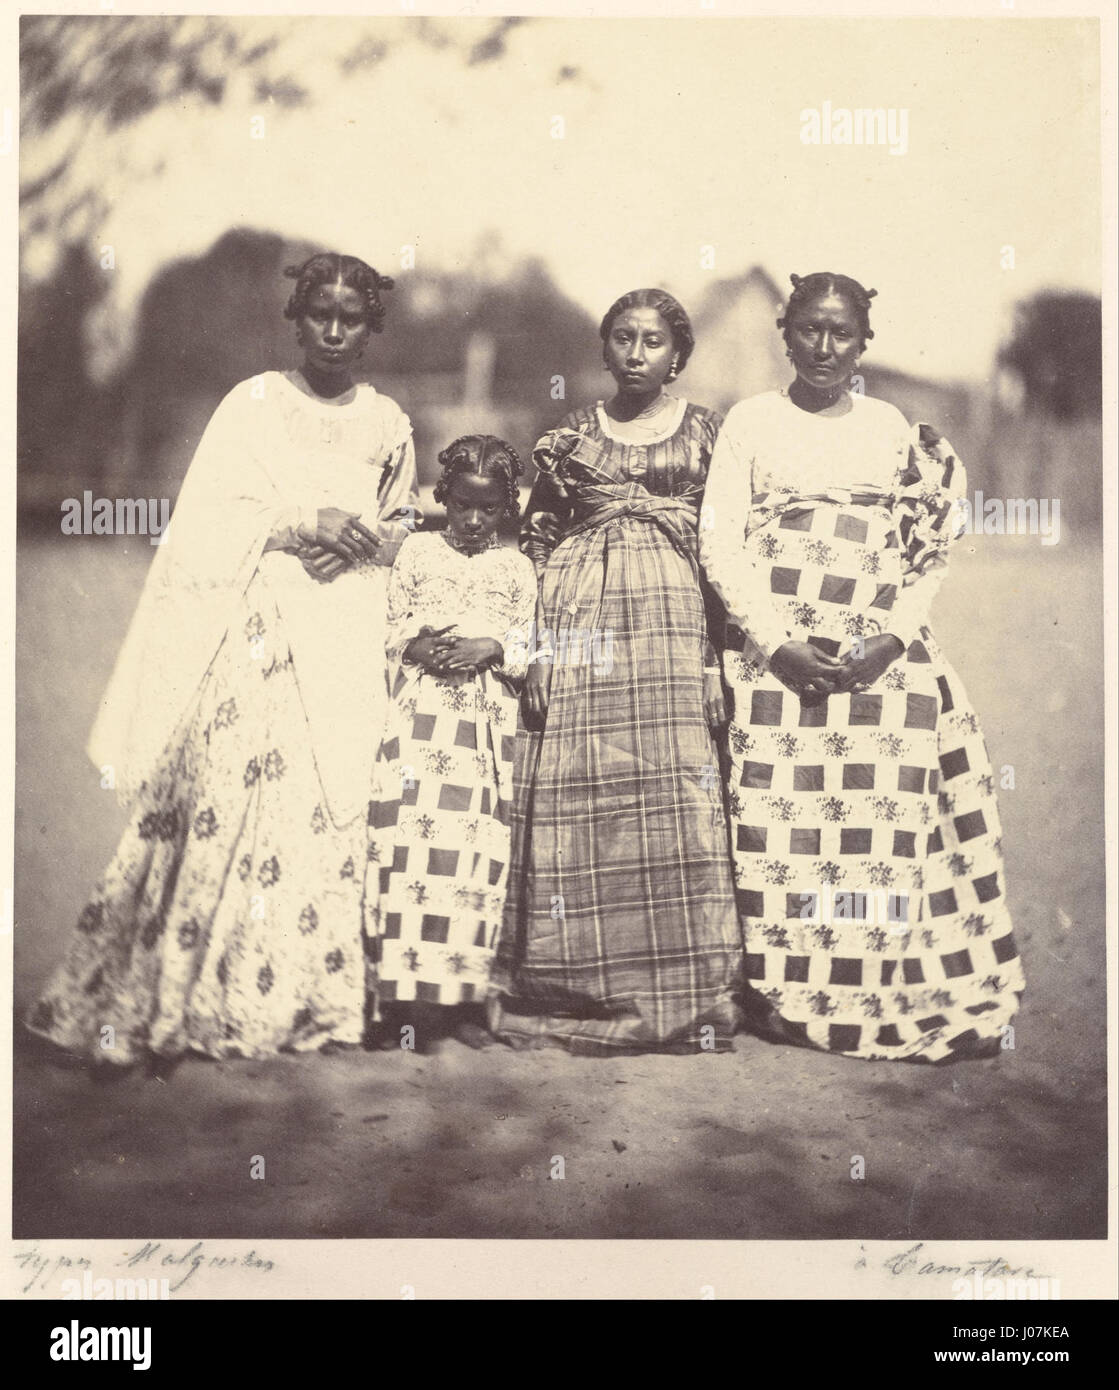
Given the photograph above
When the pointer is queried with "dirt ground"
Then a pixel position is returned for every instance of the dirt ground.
(758, 1143)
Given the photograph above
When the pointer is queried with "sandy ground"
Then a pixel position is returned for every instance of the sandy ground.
(758, 1143)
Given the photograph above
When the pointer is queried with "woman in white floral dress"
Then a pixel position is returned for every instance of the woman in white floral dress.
(244, 715)
(460, 611)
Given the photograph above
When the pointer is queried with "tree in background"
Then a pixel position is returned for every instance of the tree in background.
(1055, 351)
(121, 359)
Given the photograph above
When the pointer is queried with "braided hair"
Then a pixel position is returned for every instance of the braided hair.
(486, 456)
(670, 309)
(328, 268)
(824, 282)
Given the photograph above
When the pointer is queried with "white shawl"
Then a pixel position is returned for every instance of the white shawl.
(268, 454)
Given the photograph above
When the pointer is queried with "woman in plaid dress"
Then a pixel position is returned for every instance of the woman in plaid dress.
(620, 931)
(866, 834)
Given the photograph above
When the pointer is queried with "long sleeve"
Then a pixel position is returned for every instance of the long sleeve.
(913, 604)
(514, 614)
(399, 513)
(401, 620)
(285, 529)
(545, 519)
(723, 523)
(688, 486)
(932, 519)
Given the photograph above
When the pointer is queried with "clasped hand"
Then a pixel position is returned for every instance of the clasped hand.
(441, 654)
(810, 672)
(339, 541)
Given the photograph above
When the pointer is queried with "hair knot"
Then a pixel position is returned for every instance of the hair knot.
(824, 282)
(328, 267)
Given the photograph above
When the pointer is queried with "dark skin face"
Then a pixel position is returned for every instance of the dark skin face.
(825, 340)
(638, 351)
(333, 330)
(475, 506)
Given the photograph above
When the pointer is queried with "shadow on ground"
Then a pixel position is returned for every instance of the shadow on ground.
(758, 1143)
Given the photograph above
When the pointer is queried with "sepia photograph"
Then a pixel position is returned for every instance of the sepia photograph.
(559, 634)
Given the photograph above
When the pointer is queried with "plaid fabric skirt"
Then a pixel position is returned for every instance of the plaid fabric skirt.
(438, 852)
(620, 930)
(229, 920)
(867, 844)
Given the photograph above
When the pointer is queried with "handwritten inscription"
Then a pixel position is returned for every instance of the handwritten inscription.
(178, 1264)
(911, 1262)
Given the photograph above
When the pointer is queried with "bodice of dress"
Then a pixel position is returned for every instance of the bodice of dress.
(791, 450)
(773, 460)
(670, 464)
(269, 454)
(491, 593)
(346, 456)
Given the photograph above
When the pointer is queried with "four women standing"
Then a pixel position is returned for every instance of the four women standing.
(859, 903)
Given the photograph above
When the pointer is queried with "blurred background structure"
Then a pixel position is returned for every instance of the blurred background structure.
(171, 167)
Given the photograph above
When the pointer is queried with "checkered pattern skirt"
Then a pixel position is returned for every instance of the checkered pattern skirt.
(620, 930)
(867, 844)
(438, 850)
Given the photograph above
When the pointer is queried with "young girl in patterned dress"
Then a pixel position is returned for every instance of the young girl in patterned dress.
(865, 825)
(460, 610)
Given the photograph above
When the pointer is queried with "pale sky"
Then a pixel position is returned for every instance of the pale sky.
(677, 135)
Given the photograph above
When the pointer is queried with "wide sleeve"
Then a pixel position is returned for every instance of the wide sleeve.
(228, 508)
(403, 615)
(932, 515)
(548, 510)
(514, 603)
(724, 519)
(285, 534)
(714, 610)
(398, 497)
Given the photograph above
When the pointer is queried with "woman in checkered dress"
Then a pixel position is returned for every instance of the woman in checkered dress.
(868, 856)
(620, 931)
